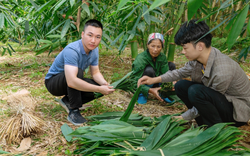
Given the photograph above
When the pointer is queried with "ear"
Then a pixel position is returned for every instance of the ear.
(200, 46)
(82, 34)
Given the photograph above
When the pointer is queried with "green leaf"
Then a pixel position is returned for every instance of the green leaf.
(55, 28)
(65, 28)
(121, 4)
(86, 8)
(217, 26)
(72, 2)
(1, 20)
(155, 4)
(193, 6)
(11, 47)
(2, 7)
(146, 15)
(117, 38)
(142, 26)
(44, 6)
(58, 5)
(4, 50)
(9, 51)
(131, 105)
(26, 30)
(131, 12)
(94, 5)
(33, 4)
(54, 36)
(66, 130)
(36, 31)
(45, 41)
(248, 28)
(237, 27)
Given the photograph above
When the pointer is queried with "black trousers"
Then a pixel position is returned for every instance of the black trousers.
(149, 71)
(212, 106)
(57, 86)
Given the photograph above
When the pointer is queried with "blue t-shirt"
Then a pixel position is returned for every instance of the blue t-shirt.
(75, 55)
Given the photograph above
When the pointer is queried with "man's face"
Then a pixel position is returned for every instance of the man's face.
(190, 51)
(91, 37)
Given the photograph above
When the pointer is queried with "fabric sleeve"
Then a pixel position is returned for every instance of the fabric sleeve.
(178, 74)
(70, 57)
(95, 57)
(138, 69)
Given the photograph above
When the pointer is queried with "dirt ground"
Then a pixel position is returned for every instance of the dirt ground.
(24, 70)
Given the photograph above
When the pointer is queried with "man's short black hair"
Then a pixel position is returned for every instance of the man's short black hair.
(191, 31)
(94, 23)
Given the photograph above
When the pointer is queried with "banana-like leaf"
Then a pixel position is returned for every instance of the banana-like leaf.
(44, 7)
(146, 14)
(212, 29)
(65, 28)
(237, 27)
(1, 20)
(72, 2)
(121, 4)
(86, 8)
(58, 5)
(155, 4)
(193, 6)
(66, 130)
(117, 38)
(131, 105)
(55, 28)
(131, 12)
(94, 5)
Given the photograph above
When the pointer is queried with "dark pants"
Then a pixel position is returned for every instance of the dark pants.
(212, 106)
(57, 85)
(149, 71)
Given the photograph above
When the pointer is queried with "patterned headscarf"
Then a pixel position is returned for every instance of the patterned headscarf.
(154, 36)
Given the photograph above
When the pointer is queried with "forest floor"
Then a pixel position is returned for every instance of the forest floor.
(25, 70)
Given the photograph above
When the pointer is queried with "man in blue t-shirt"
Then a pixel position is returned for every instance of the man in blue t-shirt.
(65, 76)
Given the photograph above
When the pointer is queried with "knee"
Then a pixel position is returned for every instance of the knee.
(171, 66)
(179, 85)
(149, 71)
(80, 73)
(195, 92)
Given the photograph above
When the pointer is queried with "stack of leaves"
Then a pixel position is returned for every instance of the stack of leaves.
(23, 122)
(126, 83)
(114, 137)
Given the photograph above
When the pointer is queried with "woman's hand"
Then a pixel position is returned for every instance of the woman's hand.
(154, 91)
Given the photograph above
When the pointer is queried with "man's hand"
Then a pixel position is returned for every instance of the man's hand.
(154, 91)
(148, 80)
(105, 90)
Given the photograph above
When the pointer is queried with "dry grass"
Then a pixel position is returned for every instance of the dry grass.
(23, 122)
(21, 72)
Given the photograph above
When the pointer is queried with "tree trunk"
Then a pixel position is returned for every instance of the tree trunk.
(172, 45)
(134, 48)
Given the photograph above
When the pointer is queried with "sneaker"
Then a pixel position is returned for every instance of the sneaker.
(75, 117)
(64, 102)
(142, 99)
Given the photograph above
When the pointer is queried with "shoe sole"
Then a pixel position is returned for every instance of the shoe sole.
(63, 105)
(76, 124)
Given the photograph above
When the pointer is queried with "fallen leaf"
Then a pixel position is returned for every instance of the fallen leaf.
(25, 144)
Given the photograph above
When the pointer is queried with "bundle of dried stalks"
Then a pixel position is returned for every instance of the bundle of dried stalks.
(23, 122)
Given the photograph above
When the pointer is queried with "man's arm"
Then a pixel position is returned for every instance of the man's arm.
(97, 76)
(74, 82)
